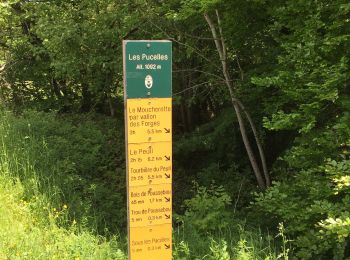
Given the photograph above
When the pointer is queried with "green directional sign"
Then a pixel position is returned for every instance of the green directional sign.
(147, 69)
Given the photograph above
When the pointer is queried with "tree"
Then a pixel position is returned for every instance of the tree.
(190, 9)
(65, 54)
(239, 107)
(311, 98)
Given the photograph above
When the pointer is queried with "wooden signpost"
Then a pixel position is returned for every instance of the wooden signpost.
(148, 133)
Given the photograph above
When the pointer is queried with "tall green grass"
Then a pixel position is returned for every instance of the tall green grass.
(26, 235)
(55, 198)
(236, 241)
(34, 224)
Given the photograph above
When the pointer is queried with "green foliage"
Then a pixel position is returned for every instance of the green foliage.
(35, 203)
(192, 7)
(290, 66)
(219, 250)
(312, 71)
(206, 211)
(310, 83)
(181, 251)
(63, 55)
(46, 206)
(314, 201)
(24, 234)
(74, 162)
(234, 242)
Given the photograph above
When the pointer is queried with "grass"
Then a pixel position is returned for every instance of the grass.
(234, 242)
(25, 235)
(48, 198)
(30, 226)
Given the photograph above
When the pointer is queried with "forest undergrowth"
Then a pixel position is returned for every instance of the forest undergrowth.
(52, 209)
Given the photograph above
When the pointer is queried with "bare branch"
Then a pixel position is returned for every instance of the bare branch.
(130, 32)
(222, 39)
(203, 72)
(2, 69)
(196, 86)
(220, 46)
(240, 68)
(199, 38)
(178, 42)
(215, 36)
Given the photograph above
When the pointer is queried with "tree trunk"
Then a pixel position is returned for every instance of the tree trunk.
(247, 146)
(258, 144)
(111, 106)
(55, 88)
(238, 107)
(86, 102)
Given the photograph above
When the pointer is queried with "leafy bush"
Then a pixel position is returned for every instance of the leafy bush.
(25, 234)
(78, 161)
(219, 250)
(206, 211)
(313, 197)
(34, 208)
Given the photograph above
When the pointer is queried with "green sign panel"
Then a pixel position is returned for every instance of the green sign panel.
(147, 69)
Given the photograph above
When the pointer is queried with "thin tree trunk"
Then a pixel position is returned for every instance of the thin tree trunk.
(189, 107)
(111, 107)
(258, 144)
(55, 88)
(248, 148)
(221, 48)
(86, 100)
(2, 87)
(183, 105)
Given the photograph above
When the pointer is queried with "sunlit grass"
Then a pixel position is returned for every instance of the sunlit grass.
(26, 235)
(37, 217)
(29, 224)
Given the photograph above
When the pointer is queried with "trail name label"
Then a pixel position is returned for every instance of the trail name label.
(147, 69)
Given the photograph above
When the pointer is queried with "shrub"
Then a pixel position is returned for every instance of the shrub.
(312, 197)
(78, 161)
(206, 211)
